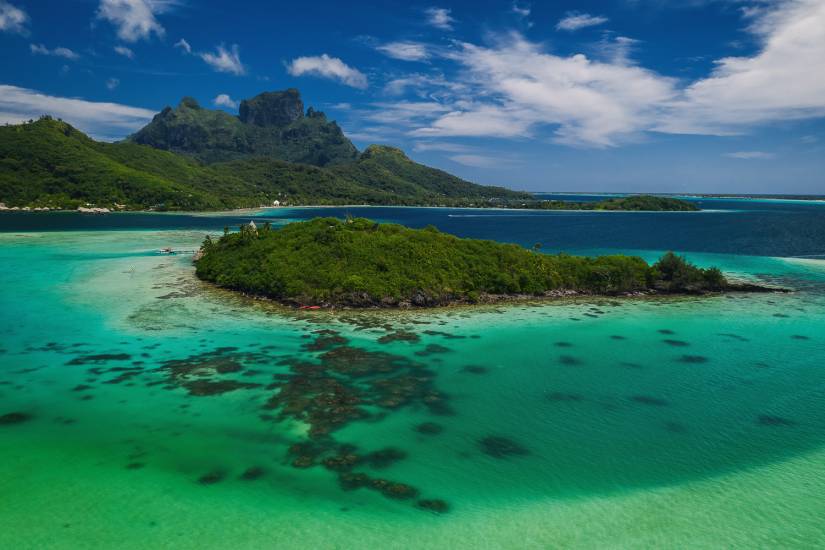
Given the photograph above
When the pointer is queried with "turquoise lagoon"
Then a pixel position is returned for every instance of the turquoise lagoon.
(628, 423)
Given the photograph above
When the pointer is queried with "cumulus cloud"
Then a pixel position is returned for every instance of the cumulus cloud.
(65, 53)
(750, 155)
(406, 51)
(440, 18)
(133, 19)
(112, 83)
(784, 81)
(574, 21)
(223, 100)
(225, 61)
(325, 66)
(520, 86)
(183, 45)
(125, 52)
(102, 120)
(511, 87)
(13, 19)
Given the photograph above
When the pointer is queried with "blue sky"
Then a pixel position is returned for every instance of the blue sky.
(623, 95)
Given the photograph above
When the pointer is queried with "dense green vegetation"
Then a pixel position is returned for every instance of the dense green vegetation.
(358, 262)
(50, 163)
(272, 124)
(631, 203)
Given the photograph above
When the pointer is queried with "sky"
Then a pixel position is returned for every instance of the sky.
(705, 96)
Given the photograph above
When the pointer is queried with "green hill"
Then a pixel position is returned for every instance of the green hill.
(50, 163)
(271, 124)
(361, 263)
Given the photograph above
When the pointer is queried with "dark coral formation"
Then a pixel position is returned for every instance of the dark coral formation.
(648, 400)
(695, 359)
(434, 505)
(11, 418)
(501, 447)
(771, 420)
(474, 369)
(676, 343)
(399, 336)
(429, 428)
(99, 358)
(198, 374)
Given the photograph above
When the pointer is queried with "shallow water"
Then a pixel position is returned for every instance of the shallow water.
(142, 397)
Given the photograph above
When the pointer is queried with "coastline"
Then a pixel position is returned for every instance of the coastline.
(486, 301)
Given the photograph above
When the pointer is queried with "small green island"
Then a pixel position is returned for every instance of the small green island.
(358, 263)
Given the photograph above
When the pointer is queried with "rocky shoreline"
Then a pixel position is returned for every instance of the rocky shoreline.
(421, 301)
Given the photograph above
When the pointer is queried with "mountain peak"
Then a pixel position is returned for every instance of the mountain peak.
(189, 103)
(272, 108)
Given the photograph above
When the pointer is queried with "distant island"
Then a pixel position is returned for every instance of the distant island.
(274, 153)
(327, 262)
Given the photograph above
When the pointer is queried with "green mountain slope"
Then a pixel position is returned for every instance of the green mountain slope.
(50, 163)
(271, 124)
(389, 169)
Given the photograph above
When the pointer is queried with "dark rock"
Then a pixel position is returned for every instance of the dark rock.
(272, 108)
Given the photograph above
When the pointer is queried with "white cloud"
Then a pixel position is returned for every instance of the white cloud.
(521, 11)
(225, 61)
(406, 51)
(445, 146)
(480, 121)
(617, 49)
(784, 81)
(112, 83)
(183, 45)
(328, 67)
(431, 86)
(134, 19)
(440, 18)
(477, 161)
(101, 120)
(574, 21)
(512, 88)
(519, 87)
(223, 100)
(750, 155)
(125, 52)
(65, 53)
(13, 19)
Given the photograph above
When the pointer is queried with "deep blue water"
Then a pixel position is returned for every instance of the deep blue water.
(729, 226)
